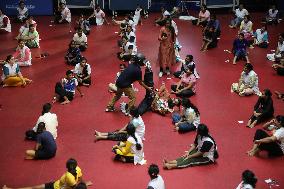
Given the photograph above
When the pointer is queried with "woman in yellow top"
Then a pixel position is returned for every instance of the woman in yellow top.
(69, 180)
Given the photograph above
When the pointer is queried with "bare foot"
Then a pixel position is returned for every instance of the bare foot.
(234, 63)
(65, 102)
(5, 187)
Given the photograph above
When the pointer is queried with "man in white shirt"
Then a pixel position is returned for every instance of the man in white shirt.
(80, 39)
(156, 181)
(240, 13)
(99, 17)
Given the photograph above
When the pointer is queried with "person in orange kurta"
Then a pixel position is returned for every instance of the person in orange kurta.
(166, 51)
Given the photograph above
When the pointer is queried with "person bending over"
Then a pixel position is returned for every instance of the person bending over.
(263, 109)
(82, 73)
(248, 180)
(71, 179)
(131, 150)
(45, 144)
(50, 120)
(248, 82)
(131, 74)
(202, 152)
(65, 90)
(156, 182)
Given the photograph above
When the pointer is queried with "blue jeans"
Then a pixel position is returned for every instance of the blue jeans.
(183, 127)
(176, 118)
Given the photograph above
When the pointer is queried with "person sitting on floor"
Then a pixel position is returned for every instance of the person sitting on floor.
(82, 72)
(31, 37)
(156, 182)
(83, 24)
(111, 86)
(209, 39)
(45, 144)
(5, 24)
(98, 17)
(279, 67)
(50, 120)
(248, 180)
(279, 95)
(164, 16)
(161, 100)
(274, 123)
(214, 22)
(203, 16)
(263, 109)
(188, 120)
(184, 66)
(73, 56)
(80, 39)
(65, 90)
(12, 76)
(261, 37)
(202, 152)
(121, 135)
(23, 54)
(63, 15)
(240, 48)
(273, 144)
(24, 29)
(248, 82)
(246, 27)
(131, 150)
(240, 13)
(23, 12)
(130, 33)
(187, 84)
(71, 179)
(280, 49)
(272, 16)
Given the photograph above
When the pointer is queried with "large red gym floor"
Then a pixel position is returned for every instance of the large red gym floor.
(220, 110)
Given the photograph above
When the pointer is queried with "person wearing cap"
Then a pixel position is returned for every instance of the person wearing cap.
(130, 75)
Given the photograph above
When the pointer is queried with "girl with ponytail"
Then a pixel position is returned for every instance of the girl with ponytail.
(130, 151)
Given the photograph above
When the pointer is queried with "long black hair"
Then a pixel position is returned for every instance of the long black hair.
(171, 28)
(40, 127)
(248, 177)
(130, 129)
(280, 119)
(46, 108)
(203, 131)
(153, 171)
(187, 104)
(71, 165)
(134, 112)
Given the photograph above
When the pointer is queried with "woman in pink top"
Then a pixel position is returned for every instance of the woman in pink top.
(203, 17)
(186, 86)
(23, 54)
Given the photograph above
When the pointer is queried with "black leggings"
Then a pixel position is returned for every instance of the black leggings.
(59, 90)
(185, 93)
(261, 118)
(272, 148)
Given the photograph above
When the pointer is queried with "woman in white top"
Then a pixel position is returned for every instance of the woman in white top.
(23, 54)
(272, 16)
(240, 13)
(248, 83)
(82, 72)
(246, 27)
(99, 16)
(130, 151)
(63, 15)
(5, 24)
(156, 182)
(50, 120)
(137, 122)
(248, 180)
(12, 76)
(280, 49)
(23, 12)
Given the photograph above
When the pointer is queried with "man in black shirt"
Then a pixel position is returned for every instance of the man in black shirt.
(123, 83)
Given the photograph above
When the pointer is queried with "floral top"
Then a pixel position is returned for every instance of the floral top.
(250, 80)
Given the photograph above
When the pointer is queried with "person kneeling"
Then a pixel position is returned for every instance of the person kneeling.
(202, 152)
(45, 146)
(65, 91)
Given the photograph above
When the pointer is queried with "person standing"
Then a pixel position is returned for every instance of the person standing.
(123, 83)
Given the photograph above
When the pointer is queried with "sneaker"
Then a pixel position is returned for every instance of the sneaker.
(109, 109)
(161, 74)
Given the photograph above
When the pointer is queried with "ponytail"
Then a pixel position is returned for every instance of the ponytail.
(71, 166)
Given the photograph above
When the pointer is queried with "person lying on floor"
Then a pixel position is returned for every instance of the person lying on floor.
(160, 103)
(131, 150)
(63, 15)
(248, 180)
(81, 39)
(274, 123)
(50, 120)
(209, 39)
(279, 50)
(72, 178)
(45, 144)
(73, 56)
(187, 84)
(261, 37)
(156, 182)
(82, 73)
(111, 86)
(23, 54)
(263, 109)
(240, 48)
(279, 67)
(248, 82)
(120, 135)
(273, 144)
(184, 66)
(65, 90)
(202, 152)
(188, 119)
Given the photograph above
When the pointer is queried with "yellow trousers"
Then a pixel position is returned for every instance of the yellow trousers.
(14, 81)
